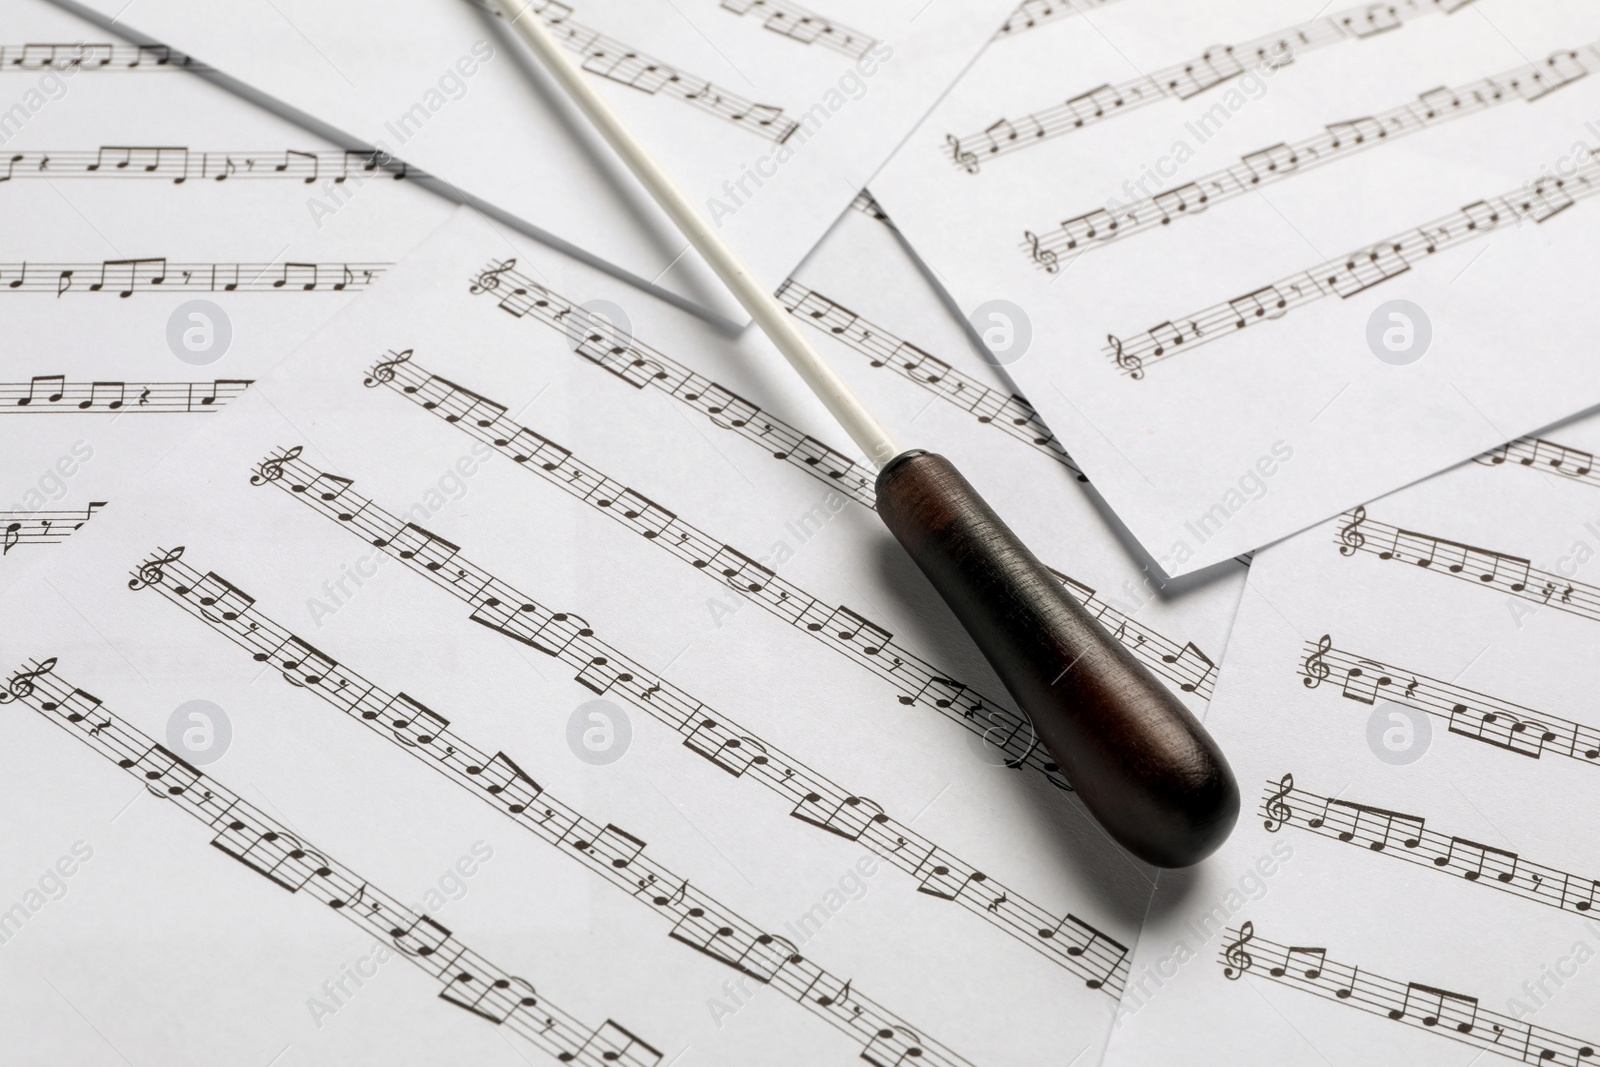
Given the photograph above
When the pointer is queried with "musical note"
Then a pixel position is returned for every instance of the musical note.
(1484, 567)
(797, 23)
(287, 861)
(110, 58)
(1043, 256)
(609, 58)
(882, 349)
(1544, 455)
(127, 277)
(43, 393)
(1427, 1007)
(1310, 965)
(1360, 270)
(1481, 864)
(815, 800)
(1215, 66)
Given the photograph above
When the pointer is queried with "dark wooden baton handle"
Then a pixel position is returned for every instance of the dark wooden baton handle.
(1138, 759)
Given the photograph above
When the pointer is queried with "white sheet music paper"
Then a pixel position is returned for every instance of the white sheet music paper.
(1407, 703)
(668, 659)
(770, 114)
(1269, 283)
(165, 244)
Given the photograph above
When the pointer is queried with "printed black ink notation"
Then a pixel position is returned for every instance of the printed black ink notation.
(1539, 201)
(124, 277)
(870, 207)
(1400, 836)
(248, 835)
(1031, 14)
(842, 629)
(23, 528)
(606, 671)
(1509, 727)
(1012, 415)
(179, 165)
(1216, 66)
(1536, 453)
(52, 394)
(1481, 566)
(1082, 234)
(609, 58)
(77, 56)
(641, 367)
(1440, 1011)
(697, 919)
(807, 27)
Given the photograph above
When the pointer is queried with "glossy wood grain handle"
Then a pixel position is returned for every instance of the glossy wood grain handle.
(1138, 759)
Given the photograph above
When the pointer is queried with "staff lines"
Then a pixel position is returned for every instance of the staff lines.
(1183, 81)
(1069, 942)
(644, 367)
(698, 920)
(1436, 1010)
(1085, 233)
(269, 849)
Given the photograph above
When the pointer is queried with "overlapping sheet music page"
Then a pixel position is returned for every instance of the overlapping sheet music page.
(1407, 701)
(164, 244)
(530, 659)
(1257, 263)
(771, 114)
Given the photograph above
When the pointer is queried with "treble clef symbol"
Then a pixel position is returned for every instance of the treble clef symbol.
(965, 160)
(1316, 669)
(1278, 812)
(152, 571)
(1239, 961)
(271, 468)
(383, 373)
(21, 685)
(1126, 361)
(1350, 536)
(1042, 256)
(490, 278)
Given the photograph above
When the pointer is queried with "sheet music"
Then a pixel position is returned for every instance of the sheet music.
(134, 307)
(1268, 267)
(1405, 702)
(771, 114)
(391, 530)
